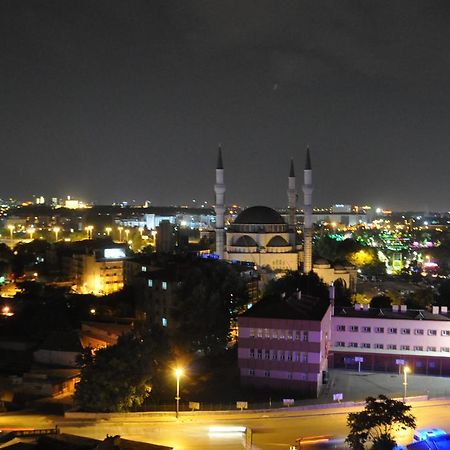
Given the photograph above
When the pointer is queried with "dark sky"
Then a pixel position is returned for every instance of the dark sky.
(118, 100)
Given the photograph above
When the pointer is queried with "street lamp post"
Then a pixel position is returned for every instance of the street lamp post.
(11, 230)
(108, 230)
(406, 370)
(56, 231)
(30, 231)
(120, 233)
(178, 373)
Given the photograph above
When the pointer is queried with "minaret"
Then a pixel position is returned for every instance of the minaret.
(292, 204)
(307, 216)
(219, 189)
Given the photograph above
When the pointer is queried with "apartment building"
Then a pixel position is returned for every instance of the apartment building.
(386, 339)
(283, 344)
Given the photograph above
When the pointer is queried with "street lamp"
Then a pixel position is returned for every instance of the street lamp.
(108, 230)
(178, 374)
(406, 370)
(31, 231)
(120, 233)
(56, 230)
(127, 232)
(11, 230)
(89, 229)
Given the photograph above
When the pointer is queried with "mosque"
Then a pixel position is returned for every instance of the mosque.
(261, 236)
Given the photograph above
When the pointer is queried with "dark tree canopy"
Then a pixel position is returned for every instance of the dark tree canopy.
(210, 296)
(122, 376)
(381, 301)
(375, 424)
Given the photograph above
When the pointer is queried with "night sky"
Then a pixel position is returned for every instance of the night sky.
(118, 100)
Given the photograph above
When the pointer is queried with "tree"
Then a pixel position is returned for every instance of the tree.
(120, 377)
(381, 301)
(210, 296)
(376, 423)
(421, 298)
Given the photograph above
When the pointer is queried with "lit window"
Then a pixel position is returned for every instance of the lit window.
(164, 285)
(260, 332)
(164, 322)
(150, 283)
(252, 332)
(266, 333)
(144, 269)
(289, 335)
(275, 334)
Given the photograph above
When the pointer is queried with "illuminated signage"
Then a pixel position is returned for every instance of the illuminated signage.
(114, 253)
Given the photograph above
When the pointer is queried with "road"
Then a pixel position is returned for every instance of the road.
(271, 431)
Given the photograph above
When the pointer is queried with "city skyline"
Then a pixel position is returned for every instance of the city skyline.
(114, 100)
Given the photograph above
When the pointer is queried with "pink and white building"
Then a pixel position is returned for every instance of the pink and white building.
(283, 344)
(388, 338)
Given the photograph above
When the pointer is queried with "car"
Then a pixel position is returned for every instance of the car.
(422, 434)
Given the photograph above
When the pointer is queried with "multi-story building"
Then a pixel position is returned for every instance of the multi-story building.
(95, 266)
(283, 344)
(384, 339)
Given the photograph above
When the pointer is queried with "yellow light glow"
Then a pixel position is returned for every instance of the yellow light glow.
(406, 369)
(179, 372)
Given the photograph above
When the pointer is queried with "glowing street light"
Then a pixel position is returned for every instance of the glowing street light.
(89, 229)
(108, 230)
(178, 374)
(120, 233)
(141, 230)
(31, 231)
(406, 370)
(127, 232)
(11, 231)
(56, 230)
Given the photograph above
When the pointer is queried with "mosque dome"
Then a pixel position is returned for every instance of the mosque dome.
(277, 241)
(245, 241)
(322, 264)
(256, 215)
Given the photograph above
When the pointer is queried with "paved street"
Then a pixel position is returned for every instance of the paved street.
(272, 431)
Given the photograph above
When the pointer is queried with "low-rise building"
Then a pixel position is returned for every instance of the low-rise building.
(283, 344)
(384, 339)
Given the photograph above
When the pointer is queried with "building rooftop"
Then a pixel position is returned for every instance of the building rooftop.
(390, 313)
(304, 308)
